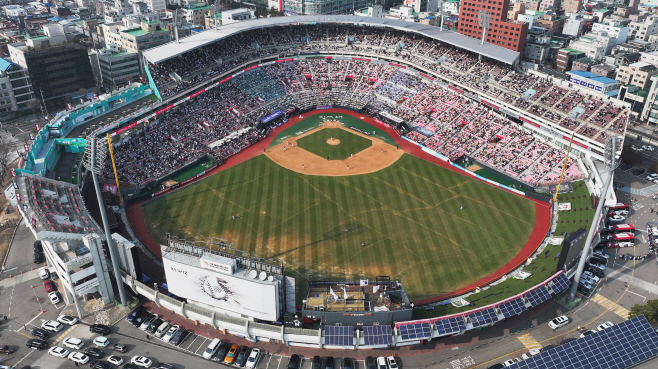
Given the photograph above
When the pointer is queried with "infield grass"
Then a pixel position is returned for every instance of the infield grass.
(408, 214)
(350, 143)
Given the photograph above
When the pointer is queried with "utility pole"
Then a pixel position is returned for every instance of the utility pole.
(484, 18)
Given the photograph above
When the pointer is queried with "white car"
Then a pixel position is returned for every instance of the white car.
(116, 360)
(587, 280)
(54, 298)
(558, 322)
(79, 357)
(616, 219)
(381, 363)
(652, 177)
(147, 322)
(52, 326)
(587, 333)
(392, 364)
(530, 354)
(511, 362)
(66, 319)
(74, 343)
(591, 276)
(101, 341)
(60, 352)
(604, 326)
(252, 361)
(647, 147)
(142, 361)
(43, 273)
(170, 333)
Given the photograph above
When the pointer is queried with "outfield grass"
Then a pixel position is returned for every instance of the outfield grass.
(541, 268)
(408, 214)
(350, 143)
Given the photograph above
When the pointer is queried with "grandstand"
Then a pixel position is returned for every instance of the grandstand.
(468, 101)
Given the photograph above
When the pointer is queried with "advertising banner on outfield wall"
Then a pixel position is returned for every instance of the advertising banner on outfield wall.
(235, 293)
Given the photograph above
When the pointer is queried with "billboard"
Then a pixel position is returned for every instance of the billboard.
(235, 293)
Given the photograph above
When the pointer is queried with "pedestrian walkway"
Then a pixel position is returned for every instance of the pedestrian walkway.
(612, 306)
(529, 342)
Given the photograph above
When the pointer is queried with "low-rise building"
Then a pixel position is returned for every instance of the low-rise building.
(585, 64)
(573, 26)
(530, 17)
(401, 12)
(15, 87)
(565, 58)
(236, 15)
(643, 30)
(650, 111)
(612, 29)
(118, 68)
(149, 35)
(594, 82)
(551, 22)
(636, 74)
(211, 20)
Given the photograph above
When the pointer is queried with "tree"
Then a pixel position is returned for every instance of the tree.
(6, 151)
(34, 105)
(649, 310)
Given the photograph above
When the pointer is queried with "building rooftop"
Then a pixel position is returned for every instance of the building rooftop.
(135, 32)
(572, 51)
(592, 76)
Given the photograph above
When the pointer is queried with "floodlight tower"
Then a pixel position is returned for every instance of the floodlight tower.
(611, 164)
(94, 161)
(484, 18)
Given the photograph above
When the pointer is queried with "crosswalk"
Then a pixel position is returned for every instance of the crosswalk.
(529, 342)
(612, 306)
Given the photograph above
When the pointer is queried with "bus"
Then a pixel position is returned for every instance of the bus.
(617, 228)
(618, 237)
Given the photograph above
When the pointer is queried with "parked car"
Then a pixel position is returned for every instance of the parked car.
(120, 347)
(221, 351)
(78, 357)
(52, 326)
(99, 328)
(66, 319)
(587, 333)
(625, 166)
(101, 341)
(37, 246)
(37, 344)
(141, 361)
(329, 363)
(348, 363)
(381, 363)
(100, 365)
(392, 364)
(604, 325)
(74, 343)
(162, 329)
(511, 362)
(116, 360)
(254, 356)
(231, 354)
(140, 318)
(595, 264)
(43, 273)
(54, 297)
(596, 271)
(40, 333)
(165, 366)
(496, 366)
(170, 333)
(585, 288)
(179, 336)
(558, 322)
(147, 322)
(370, 363)
(94, 352)
(651, 177)
(4, 349)
(638, 172)
(530, 353)
(243, 354)
(294, 361)
(133, 314)
(38, 257)
(616, 219)
(647, 147)
(602, 254)
(59, 352)
(599, 259)
(154, 325)
(49, 286)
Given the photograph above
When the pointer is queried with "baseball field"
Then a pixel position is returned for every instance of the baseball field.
(435, 229)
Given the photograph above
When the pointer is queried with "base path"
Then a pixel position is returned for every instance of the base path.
(376, 157)
(542, 220)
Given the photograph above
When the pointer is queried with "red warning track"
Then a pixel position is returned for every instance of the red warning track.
(542, 221)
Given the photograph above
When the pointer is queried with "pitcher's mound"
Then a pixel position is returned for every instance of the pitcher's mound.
(333, 141)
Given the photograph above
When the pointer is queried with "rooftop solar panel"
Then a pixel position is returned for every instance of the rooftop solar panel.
(450, 325)
(560, 283)
(415, 331)
(338, 335)
(483, 317)
(512, 307)
(537, 296)
(377, 335)
(623, 345)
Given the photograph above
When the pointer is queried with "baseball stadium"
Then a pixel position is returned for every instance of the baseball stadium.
(351, 149)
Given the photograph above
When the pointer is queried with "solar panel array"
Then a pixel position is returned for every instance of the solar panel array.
(536, 297)
(483, 317)
(338, 336)
(626, 344)
(377, 335)
(415, 331)
(512, 307)
(450, 325)
(560, 283)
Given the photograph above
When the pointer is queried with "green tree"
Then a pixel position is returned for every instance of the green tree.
(649, 310)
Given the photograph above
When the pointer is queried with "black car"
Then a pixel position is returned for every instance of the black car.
(625, 166)
(99, 328)
(599, 258)
(40, 333)
(6, 349)
(178, 337)
(37, 344)
(144, 315)
(130, 366)
(133, 314)
(154, 325)
(38, 256)
(241, 359)
(370, 363)
(165, 366)
(294, 361)
(221, 352)
(547, 347)
(94, 352)
(348, 363)
(37, 246)
(496, 366)
(101, 365)
(596, 271)
(316, 363)
(638, 172)
(120, 347)
(329, 363)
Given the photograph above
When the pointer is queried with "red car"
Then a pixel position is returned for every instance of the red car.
(49, 286)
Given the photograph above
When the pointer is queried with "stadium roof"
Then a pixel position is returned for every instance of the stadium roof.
(167, 51)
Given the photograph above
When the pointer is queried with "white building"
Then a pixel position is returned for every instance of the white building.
(650, 57)
(420, 6)
(530, 17)
(112, 33)
(612, 29)
(643, 30)
(574, 25)
(115, 10)
(236, 15)
(401, 12)
(591, 41)
(376, 11)
(451, 7)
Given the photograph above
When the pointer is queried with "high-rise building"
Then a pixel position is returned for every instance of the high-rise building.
(508, 34)
(55, 71)
(572, 6)
(15, 87)
(118, 68)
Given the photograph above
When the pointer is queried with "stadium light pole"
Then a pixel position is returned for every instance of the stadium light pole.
(610, 163)
(95, 167)
(484, 18)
